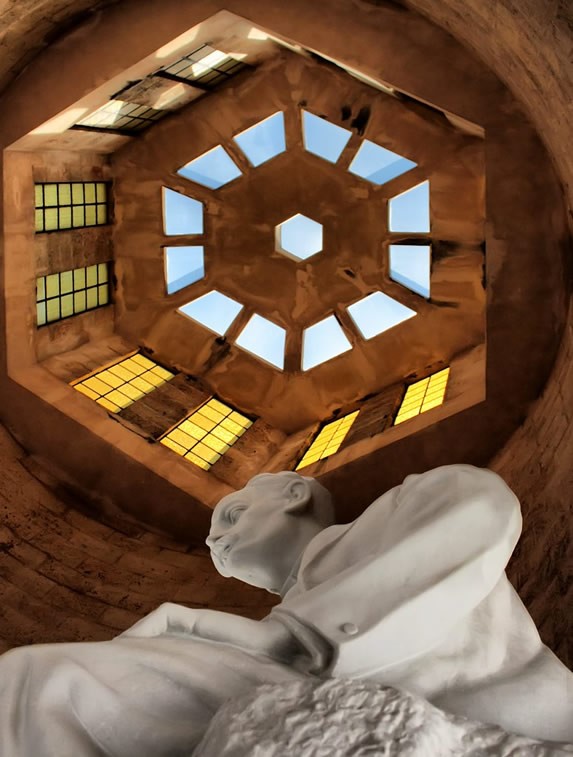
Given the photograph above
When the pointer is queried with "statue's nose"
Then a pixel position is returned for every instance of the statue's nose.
(212, 539)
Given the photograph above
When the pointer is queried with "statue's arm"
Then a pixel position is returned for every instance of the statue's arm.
(440, 552)
(269, 637)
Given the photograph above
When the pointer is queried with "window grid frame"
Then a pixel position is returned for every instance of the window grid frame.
(43, 299)
(187, 437)
(121, 382)
(212, 77)
(42, 208)
(331, 432)
(127, 120)
(423, 395)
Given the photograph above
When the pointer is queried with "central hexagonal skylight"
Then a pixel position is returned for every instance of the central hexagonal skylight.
(299, 237)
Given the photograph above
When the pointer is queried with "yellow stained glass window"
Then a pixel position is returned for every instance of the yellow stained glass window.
(71, 205)
(205, 435)
(119, 385)
(423, 396)
(61, 295)
(328, 440)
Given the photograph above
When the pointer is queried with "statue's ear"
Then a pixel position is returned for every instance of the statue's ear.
(299, 496)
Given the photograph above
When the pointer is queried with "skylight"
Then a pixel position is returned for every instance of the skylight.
(422, 396)
(205, 66)
(299, 236)
(377, 164)
(410, 266)
(120, 385)
(213, 169)
(264, 339)
(181, 214)
(183, 267)
(61, 295)
(71, 205)
(213, 310)
(322, 342)
(205, 435)
(323, 138)
(121, 116)
(328, 440)
(377, 313)
(264, 140)
(410, 211)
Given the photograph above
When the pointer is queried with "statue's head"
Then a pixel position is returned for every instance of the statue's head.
(259, 533)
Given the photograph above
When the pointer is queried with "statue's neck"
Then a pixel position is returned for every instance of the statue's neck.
(292, 576)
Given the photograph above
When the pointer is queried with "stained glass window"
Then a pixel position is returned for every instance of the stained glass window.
(119, 385)
(423, 396)
(328, 440)
(207, 433)
(71, 205)
(61, 295)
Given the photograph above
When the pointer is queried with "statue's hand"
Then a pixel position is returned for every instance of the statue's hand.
(268, 637)
(168, 619)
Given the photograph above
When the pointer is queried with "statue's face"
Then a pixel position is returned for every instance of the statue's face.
(255, 534)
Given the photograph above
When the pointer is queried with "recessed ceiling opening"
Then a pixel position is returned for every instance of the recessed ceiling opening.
(213, 169)
(265, 340)
(410, 266)
(322, 342)
(213, 310)
(183, 267)
(264, 140)
(377, 313)
(377, 164)
(299, 237)
(323, 138)
(410, 211)
(181, 214)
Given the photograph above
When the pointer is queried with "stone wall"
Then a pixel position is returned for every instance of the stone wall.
(65, 576)
(529, 44)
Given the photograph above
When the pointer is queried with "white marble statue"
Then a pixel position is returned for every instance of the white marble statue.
(412, 594)
(347, 718)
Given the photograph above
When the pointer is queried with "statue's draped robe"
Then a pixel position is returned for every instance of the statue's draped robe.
(130, 697)
(413, 593)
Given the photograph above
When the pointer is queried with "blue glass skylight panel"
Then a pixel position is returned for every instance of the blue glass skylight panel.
(264, 339)
(410, 266)
(377, 313)
(183, 267)
(181, 214)
(323, 138)
(213, 310)
(213, 169)
(264, 140)
(322, 342)
(377, 164)
(410, 211)
(300, 236)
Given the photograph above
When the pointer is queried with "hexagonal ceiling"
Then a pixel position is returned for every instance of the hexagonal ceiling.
(296, 247)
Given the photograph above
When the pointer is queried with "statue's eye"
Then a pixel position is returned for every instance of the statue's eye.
(235, 513)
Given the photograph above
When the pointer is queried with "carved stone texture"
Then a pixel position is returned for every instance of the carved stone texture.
(350, 718)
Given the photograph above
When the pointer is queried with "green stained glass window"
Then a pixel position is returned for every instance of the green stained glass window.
(71, 205)
(62, 295)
